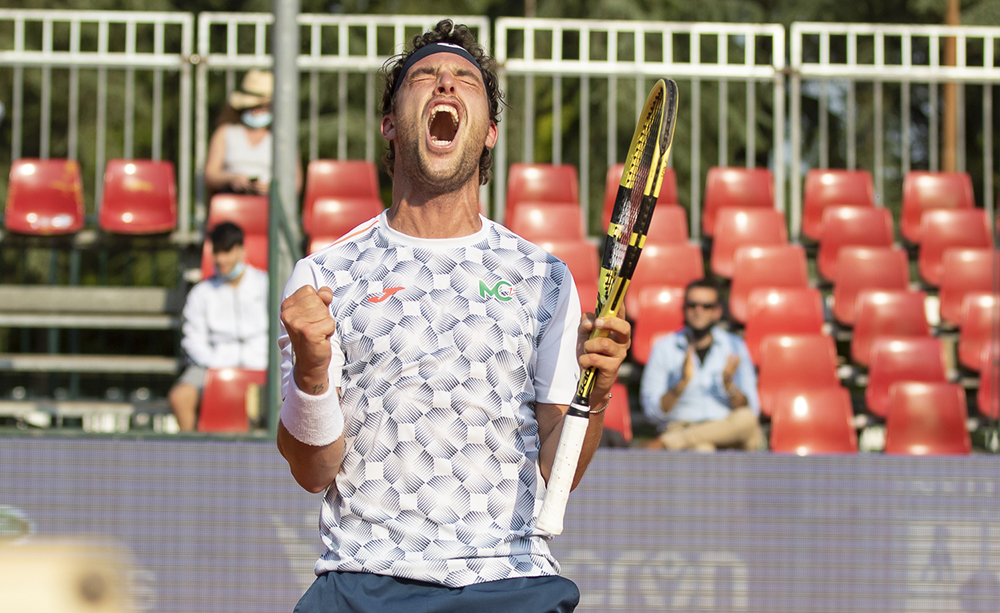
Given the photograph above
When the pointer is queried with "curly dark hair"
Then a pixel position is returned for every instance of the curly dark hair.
(446, 31)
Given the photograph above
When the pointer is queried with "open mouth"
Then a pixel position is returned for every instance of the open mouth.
(443, 125)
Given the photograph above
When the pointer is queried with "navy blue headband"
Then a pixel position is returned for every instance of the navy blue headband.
(431, 49)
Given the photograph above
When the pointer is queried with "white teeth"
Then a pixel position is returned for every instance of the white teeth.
(444, 108)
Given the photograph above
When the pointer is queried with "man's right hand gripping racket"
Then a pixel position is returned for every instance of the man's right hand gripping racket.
(634, 204)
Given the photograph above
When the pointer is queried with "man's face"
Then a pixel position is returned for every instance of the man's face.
(226, 261)
(440, 123)
(701, 308)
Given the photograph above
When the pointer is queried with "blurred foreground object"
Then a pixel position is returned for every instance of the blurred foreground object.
(63, 578)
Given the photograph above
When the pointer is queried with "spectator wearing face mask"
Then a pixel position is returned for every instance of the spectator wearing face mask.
(240, 152)
(225, 322)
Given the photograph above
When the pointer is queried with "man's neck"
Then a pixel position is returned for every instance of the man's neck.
(450, 215)
(704, 342)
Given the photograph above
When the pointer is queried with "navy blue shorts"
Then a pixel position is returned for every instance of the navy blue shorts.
(336, 592)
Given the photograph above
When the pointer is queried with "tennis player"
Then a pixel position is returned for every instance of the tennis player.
(428, 358)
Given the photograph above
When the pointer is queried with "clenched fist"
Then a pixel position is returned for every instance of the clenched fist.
(307, 319)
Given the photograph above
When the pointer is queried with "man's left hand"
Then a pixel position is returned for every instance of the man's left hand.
(730, 370)
(604, 353)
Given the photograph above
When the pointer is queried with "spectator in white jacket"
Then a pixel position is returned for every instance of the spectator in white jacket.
(225, 322)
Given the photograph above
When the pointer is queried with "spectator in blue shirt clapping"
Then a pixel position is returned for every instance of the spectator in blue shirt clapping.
(699, 386)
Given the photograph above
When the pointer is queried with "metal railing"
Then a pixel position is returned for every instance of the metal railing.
(579, 59)
(831, 60)
(101, 62)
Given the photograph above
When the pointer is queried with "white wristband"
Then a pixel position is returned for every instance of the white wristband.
(313, 420)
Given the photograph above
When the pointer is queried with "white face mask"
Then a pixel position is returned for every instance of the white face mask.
(234, 273)
(257, 120)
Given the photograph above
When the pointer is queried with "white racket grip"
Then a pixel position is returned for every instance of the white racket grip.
(574, 431)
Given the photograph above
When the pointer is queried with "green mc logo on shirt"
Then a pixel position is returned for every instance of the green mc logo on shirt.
(502, 291)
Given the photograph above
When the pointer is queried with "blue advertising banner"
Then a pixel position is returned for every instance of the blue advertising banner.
(220, 526)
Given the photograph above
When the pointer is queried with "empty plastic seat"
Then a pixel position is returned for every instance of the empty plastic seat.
(250, 214)
(782, 312)
(339, 179)
(617, 417)
(44, 197)
(898, 313)
(980, 320)
(762, 267)
(866, 268)
(988, 395)
(668, 191)
(927, 419)
(735, 228)
(946, 229)
(581, 258)
(331, 218)
(795, 362)
(833, 187)
(667, 226)
(658, 312)
(964, 271)
(901, 359)
(540, 183)
(923, 191)
(139, 197)
(813, 421)
(665, 266)
(548, 221)
(228, 398)
(856, 226)
(735, 187)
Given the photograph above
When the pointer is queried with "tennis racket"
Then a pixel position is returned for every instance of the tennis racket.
(634, 204)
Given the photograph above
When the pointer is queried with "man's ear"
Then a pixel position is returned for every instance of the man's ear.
(389, 127)
(491, 135)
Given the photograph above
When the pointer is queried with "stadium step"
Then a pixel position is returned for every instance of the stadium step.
(110, 364)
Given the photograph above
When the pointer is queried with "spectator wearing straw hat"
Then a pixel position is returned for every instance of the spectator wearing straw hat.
(240, 152)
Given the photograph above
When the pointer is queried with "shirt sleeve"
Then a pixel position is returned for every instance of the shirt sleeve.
(746, 377)
(557, 369)
(194, 330)
(305, 273)
(656, 380)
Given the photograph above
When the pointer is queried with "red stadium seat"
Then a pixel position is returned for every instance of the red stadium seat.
(761, 267)
(250, 214)
(540, 183)
(668, 192)
(781, 311)
(735, 187)
(665, 266)
(44, 197)
(735, 228)
(927, 419)
(964, 271)
(139, 197)
(225, 402)
(887, 313)
(980, 321)
(829, 187)
(795, 362)
(946, 229)
(923, 191)
(856, 226)
(667, 226)
(866, 268)
(581, 258)
(618, 417)
(331, 218)
(988, 395)
(548, 221)
(658, 312)
(339, 179)
(901, 359)
(813, 421)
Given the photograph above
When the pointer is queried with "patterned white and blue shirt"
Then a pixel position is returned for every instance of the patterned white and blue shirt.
(442, 348)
